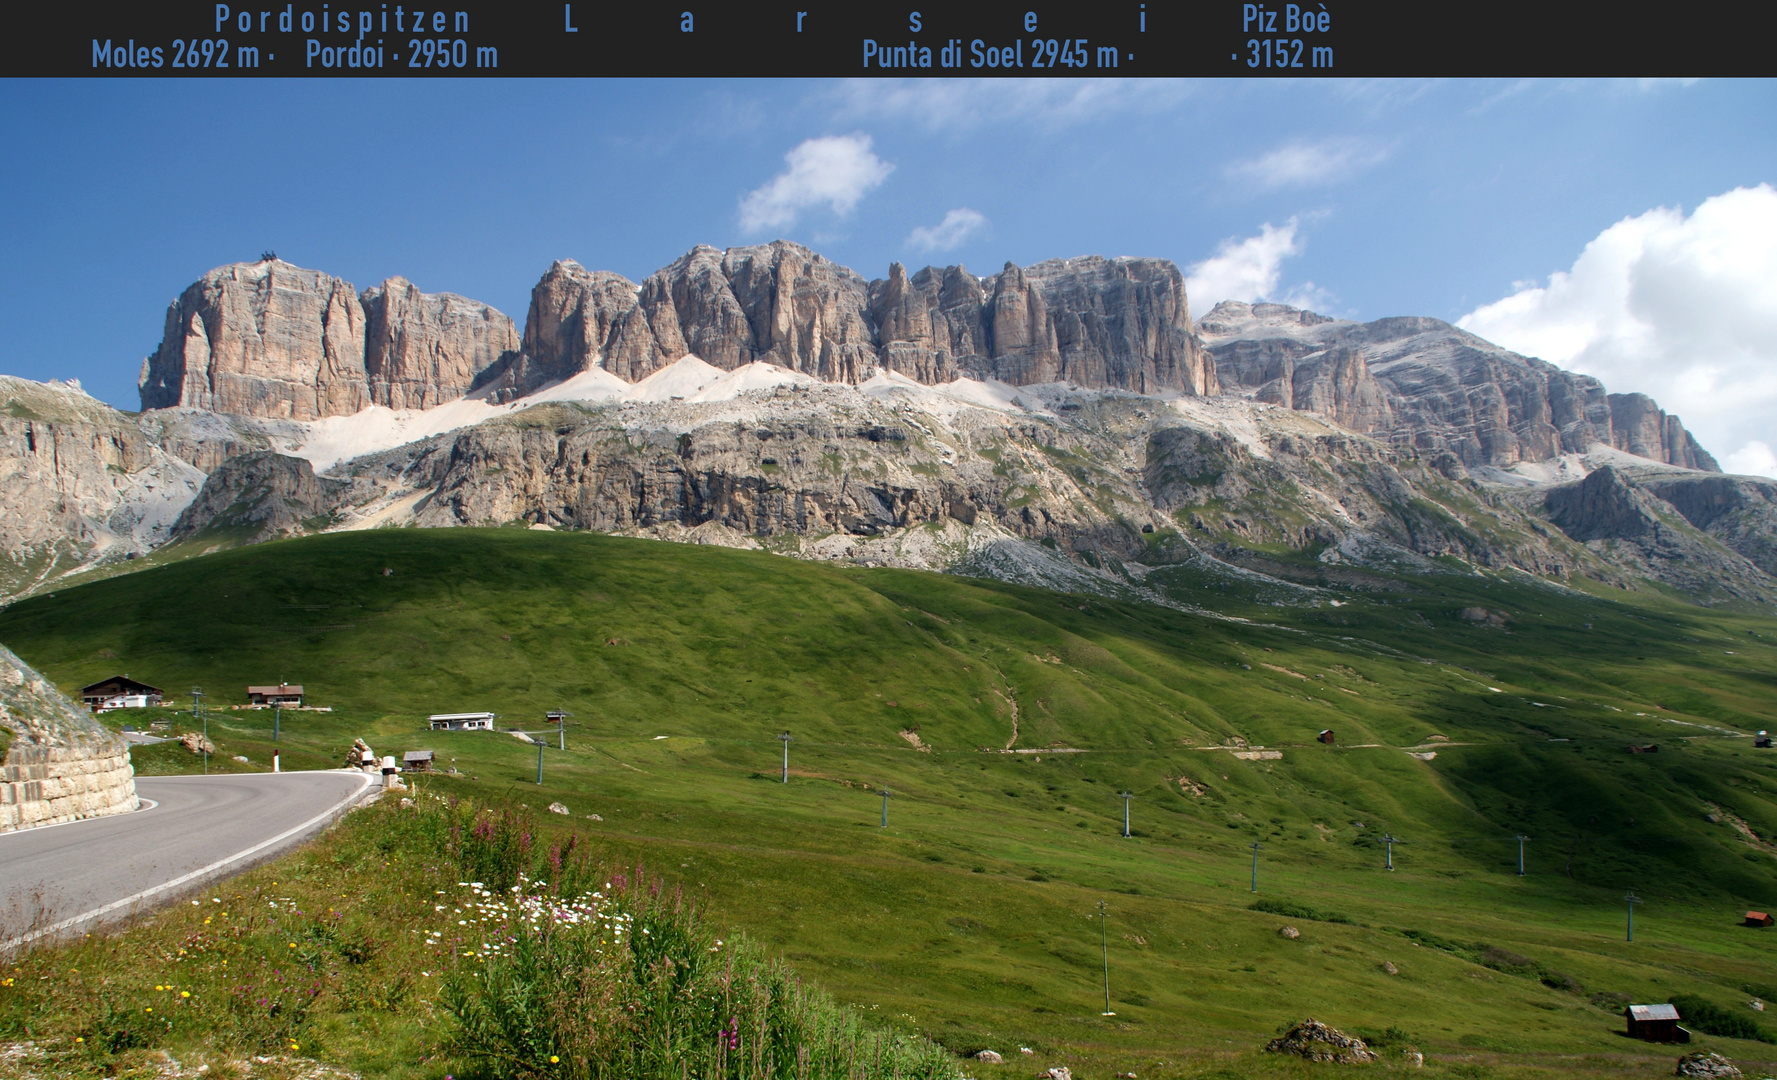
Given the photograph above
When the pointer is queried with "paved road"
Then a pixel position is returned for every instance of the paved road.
(65, 878)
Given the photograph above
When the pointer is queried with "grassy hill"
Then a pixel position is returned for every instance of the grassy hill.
(973, 916)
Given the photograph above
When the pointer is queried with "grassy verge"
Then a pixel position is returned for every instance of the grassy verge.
(427, 938)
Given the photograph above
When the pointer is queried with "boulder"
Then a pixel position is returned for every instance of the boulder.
(1316, 1041)
(992, 1057)
(1289, 932)
(558, 808)
(1706, 1064)
(1388, 968)
(196, 743)
(1058, 1072)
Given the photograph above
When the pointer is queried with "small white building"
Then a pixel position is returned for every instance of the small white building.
(462, 721)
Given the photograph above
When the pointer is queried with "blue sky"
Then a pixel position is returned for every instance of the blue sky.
(1549, 215)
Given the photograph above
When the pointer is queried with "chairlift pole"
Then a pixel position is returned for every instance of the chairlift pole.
(1521, 840)
(560, 716)
(1389, 839)
(1256, 846)
(1629, 901)
(197, 708)
(277, 721)
(1105, 948)
(1126, 796)
(785, 737)
(539, 762)
(885, 799)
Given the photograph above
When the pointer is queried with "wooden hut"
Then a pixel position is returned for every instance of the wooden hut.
(1758, 918)
(416, 761)
(1655, 1023)
(1325, 737)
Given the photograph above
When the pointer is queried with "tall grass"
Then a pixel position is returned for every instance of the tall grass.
(625, 981)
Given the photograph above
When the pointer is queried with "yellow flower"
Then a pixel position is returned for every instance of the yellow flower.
(293, 944)
(80, 1038)
(184, 993)
(553, 1059)
(147, 1010)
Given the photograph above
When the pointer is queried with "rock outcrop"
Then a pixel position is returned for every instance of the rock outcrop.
(274, 340)
(1623, 521)
(1424, 383)
(259, 496)
(60, 764)
(1316, 1041)
(422, 350)
(79, 481)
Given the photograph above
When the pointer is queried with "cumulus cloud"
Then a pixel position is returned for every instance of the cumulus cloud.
(1300, 164)
(833, 171)
(1251, 270)
(949, 234)
(1681, 308)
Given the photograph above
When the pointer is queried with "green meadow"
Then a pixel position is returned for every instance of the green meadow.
(1005, 723)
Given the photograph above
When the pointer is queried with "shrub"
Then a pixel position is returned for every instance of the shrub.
(1712, 1019)
(625, 982)
(1296, 911)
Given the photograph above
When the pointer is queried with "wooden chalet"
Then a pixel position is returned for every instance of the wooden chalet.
(416, 761)
(1655, 1023)
(1325, 737)
(282, 695)
(462, 721)
(120, 692)
(1758, 918)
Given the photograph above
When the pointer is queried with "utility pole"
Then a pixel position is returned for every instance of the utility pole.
(277, 721)
(1629, 901)
(1389, 839)
(1256, 846)
(1521, 840)
(885, 799)
(1126, 796)
(785, 737)
(197, 708)
(1105, 948)
(539, 762)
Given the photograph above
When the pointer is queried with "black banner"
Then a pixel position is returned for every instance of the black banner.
(913, 38)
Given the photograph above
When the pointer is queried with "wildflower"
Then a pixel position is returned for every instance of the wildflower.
(80, 1038)
(184, 993)
(553, 1059)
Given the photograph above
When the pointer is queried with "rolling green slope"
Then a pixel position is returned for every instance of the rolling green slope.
(973, 915)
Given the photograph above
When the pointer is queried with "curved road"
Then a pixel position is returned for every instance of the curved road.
(62, 878)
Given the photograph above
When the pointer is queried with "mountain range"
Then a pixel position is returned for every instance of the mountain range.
(1066, 423)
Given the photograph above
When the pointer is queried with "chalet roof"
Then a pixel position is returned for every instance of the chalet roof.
(122, 682)
(1652, 1012)
(281, 688)
(1761, 916)
(462, 716)
(417, 755)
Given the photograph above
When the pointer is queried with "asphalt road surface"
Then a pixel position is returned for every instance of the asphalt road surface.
(64, 879)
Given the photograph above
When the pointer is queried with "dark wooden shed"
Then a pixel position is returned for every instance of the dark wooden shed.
(1758, 918)
(1655, 1023)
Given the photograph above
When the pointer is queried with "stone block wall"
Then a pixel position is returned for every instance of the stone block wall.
(47, 785)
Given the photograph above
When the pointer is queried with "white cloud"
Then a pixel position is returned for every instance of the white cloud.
(1300, 164)
(1250, 270)
(835, 171)
(1754, 459)
(1681, 308)
(961, 104)
(949, 234)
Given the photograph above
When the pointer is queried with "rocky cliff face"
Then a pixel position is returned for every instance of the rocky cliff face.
(79, 482)
(259, 496)
(1631, 526)
(1120, 323)
(274, 340)
(1424, 383)
(422, 350)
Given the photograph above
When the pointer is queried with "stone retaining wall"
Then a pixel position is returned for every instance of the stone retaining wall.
(46, 785)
